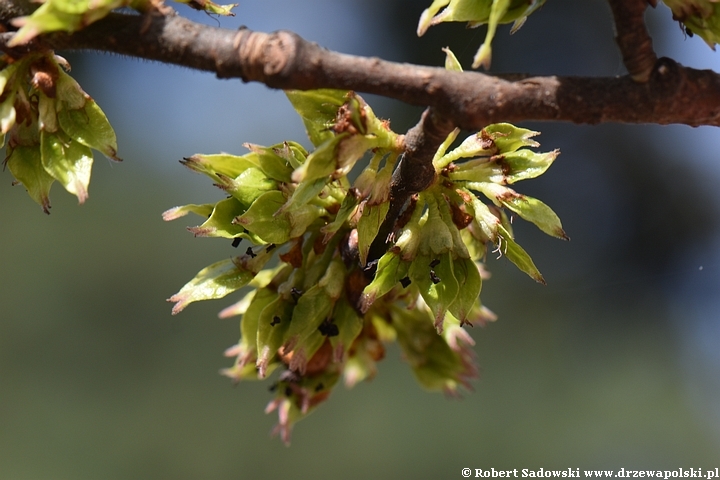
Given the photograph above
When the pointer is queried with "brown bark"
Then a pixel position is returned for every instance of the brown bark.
(471, 100)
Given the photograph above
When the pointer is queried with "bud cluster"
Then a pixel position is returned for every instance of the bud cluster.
(50, 125)
(323, 309)
(476, 13)
(700, 17)
(74, 15)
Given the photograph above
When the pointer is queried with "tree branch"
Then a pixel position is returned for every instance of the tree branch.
(414, 173)
(472, 100)
(633, 38)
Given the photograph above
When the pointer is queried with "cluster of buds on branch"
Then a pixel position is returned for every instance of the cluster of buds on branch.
(324, 308)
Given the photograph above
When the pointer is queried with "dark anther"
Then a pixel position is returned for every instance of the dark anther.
(319, 387)
(275, 321)
(288, 391)
(435, 279)
(296, 293)
(328, 328)
(273, 387)
(270, 247)
(405, 282)
(435, 263)
(250, 252)
(236, 242)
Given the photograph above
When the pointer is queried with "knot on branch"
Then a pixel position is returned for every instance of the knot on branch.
(263, 56)
(666, 73)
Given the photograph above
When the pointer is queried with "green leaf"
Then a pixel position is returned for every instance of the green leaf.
(435, 365)
(517, 255)
(466, 272)
(349, 325)
(277, 161)
(436, 281)
(478, 12)
(260, 218)
(65, 15)
(250, 323)
(203, 210)
(305, 192)
(535, 211)
(221, 278)
(321, 163)
(391, 269)
(25, 164)
(346, 210)
(524, 164)
(451, 61)
(221, 163)
(87, 125)
(220, 222)
(248, 186)
(273, 324)
(368, 226)
(318, 110)
(484, 219)
(68, 161)
(7, 114)
(438, 161)
(473, 146)
(508, 137)
(436, 237)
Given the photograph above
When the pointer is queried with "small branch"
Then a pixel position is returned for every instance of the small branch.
(672, 94)
(633, 38)
(414, 173)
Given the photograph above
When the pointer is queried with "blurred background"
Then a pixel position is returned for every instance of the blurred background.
(614, 364)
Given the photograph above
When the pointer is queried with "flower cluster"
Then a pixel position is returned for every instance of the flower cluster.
(479, 12)
(700, 17)
(324, 309)
(74, 15)
(51, 125)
